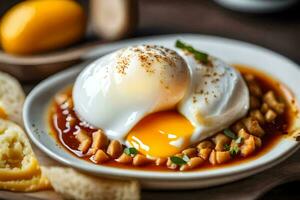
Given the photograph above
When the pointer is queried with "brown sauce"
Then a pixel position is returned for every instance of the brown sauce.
(274, 131)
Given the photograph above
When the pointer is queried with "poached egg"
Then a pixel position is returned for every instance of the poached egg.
(158, 100)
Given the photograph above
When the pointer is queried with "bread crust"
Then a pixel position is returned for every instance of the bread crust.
(11, 98)
(79, 186)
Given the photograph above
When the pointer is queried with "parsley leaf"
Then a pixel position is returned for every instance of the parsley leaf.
(177, 160)
(131, 151)
(226, 147)
(230, 134)
(234, 151)
(200, 56)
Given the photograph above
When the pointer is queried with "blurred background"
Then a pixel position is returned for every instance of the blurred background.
(276, 28)
(46, 44)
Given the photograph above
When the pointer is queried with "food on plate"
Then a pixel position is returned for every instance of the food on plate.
(89, 187)
(150, 107)
(37, 26)
(11, 98)
(122, 78)
(19, 168)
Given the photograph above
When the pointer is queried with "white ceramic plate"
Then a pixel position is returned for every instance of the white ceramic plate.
(256, 6)
(231, 51)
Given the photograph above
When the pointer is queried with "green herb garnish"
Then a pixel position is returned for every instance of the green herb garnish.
(131, 151)
(239, 140)
(177, 160)
(230, 134)
(226, 147)
(234, 151)
(200, 56)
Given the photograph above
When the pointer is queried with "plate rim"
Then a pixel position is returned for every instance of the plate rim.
(131, 173)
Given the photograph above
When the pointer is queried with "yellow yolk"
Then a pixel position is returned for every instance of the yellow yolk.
(161, 134)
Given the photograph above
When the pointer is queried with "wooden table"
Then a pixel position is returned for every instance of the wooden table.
(279, 32)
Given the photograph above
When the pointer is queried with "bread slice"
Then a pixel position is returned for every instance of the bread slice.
(36, 183)
(17, 160)
(72, 184)
(11, 98)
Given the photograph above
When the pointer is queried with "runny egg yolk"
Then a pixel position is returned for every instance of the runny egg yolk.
(161, 134)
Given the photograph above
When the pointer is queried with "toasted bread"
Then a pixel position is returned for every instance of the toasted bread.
(11, 98)
(72, 184)
(36, 183)
(17, 160)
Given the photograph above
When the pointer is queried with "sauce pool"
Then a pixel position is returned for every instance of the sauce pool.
(64, 133)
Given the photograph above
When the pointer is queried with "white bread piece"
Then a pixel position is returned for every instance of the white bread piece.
(17, 160)
(72, 184)
(11, 98)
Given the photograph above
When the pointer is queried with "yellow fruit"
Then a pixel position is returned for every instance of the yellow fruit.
(37, 26)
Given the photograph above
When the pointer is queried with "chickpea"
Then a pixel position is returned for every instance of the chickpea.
(220, 140)
(270, 115)
(212, 158)
(114, 149)
(204, 149)
(253, 127)
(139, 160)
(264, 108)
(100, 156)
(84, 140)
(256, 114)
(161, 161)
(190, 152)
(222, 156)
(100, 141)
(192, 163)
(205, 144)
(124, 159)
(270, 99)
(257, 141)
(204, 153)
(248, 147)
(243, 133)
(219, 157)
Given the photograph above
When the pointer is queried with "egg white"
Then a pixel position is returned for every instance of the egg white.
(120, 89)
(116, 91)
(217, 96)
